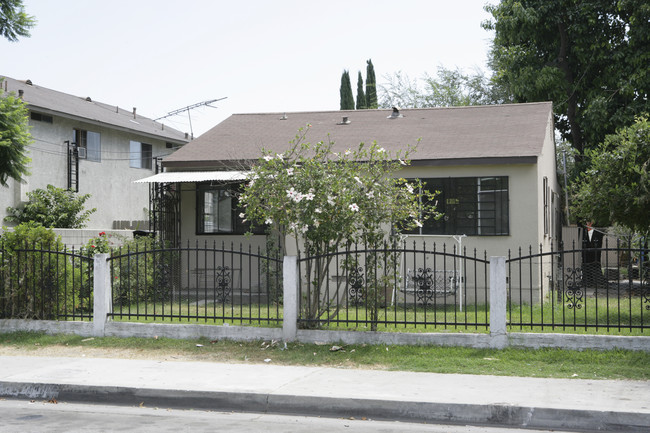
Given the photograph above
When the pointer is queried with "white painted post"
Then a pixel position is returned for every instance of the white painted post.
(102, 296)
(498, 302)
(290, 299)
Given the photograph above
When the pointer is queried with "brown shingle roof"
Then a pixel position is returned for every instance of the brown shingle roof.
(457, 133)
(51, 101)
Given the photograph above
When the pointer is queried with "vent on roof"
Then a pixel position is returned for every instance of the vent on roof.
(284, 117)
(395, 114)
(88, 99)
(345, 121)
(28, 82)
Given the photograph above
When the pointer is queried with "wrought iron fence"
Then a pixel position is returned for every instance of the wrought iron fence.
(571, 289)
(45, 282)
(401, 286)
(215, 283)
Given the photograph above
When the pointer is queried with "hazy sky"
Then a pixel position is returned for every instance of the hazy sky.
(264, 56)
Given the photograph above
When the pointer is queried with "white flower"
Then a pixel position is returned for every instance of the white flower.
(401, 161)
(279, 156)
(381, 150)
(290, 171)
(310, 196)
(268, 221)
(317, 210)
(268, 158)
(291, 193)
(370, 194)
(316, 223)
(354, 207)
(304, 228)
(330, 200)
(358, 180)
(293, 226)
(298, 197)
(409, 187)
(418, 223)
(347, 152)
(242, 215)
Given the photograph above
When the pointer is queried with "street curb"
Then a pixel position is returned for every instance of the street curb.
(407, 411)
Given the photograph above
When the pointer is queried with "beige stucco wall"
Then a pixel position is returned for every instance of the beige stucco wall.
(109, 182)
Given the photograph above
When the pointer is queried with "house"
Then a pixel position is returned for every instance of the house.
(92, 148)
(494, 166)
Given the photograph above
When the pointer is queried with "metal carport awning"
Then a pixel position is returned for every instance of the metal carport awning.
(194, 176)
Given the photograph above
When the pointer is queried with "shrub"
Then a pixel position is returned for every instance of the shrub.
(39, 278)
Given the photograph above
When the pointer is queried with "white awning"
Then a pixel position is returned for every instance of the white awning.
(193, 176)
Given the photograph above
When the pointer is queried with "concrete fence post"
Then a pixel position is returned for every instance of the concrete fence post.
(102, 293)
(498, 302)
(290, 289)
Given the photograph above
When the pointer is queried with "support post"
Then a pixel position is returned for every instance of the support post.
(498, 302)
(290, 299)
(102, 293)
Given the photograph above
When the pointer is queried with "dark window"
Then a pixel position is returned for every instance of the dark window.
(140, 155)
(218, 211)
(475, 206)
(546, 192)
(90, 142)
(41, 117)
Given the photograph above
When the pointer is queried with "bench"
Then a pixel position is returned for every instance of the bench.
(426, 283)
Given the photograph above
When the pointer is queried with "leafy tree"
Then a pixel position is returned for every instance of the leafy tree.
(347, 100)
(52, 207)
(361, 96)
(328, 200)
(449, 88)
(589, 58)
(616, 186)
(14, 21)
(371, 86)
(14, 138)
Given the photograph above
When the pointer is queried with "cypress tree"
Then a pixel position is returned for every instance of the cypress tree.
(347, 100)
(371, 86)
(361, 96)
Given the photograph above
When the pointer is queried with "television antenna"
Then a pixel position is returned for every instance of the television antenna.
(188, 109)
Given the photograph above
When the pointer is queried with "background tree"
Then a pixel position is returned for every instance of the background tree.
(14, 21)
(450, 87)
(14, 137)
(361, 96)
(52, 207)
(347, 100)
(616, 187)
(328, 200)
(371, 86)
(590, 58)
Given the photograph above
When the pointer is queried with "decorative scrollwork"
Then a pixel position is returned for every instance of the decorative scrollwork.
(356, 286)
(645, 292)
(424, 288)
(223, 279)
(574, 294)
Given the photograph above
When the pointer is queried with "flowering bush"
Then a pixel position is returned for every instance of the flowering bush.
(99, 244)
(326, 200)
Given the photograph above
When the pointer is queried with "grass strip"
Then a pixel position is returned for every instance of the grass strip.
(551, 363)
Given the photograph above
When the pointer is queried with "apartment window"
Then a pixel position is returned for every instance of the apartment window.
(39, 117)
(217, 210)
(141, 155)
(88, 144)
(475, 206)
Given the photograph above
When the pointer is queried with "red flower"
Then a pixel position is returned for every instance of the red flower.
(92, 246)
(102, 234)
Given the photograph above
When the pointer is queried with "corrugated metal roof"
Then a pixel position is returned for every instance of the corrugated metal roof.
(51, 101)
(478, 132)
(193, 176)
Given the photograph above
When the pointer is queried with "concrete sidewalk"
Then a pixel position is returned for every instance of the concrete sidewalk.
(423, 397)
